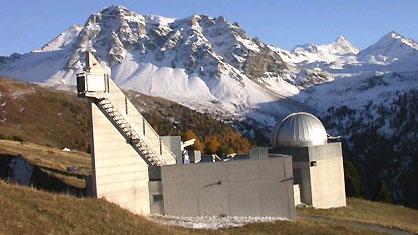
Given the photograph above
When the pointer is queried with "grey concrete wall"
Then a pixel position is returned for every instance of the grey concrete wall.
(325, 151)
(258, 153)
(327, 177)
(120, 175)
(156, 197)
(174, 145)
(322, 183)
(234, 188)
(328, 189)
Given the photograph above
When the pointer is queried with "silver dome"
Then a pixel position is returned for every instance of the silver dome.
(299, 129)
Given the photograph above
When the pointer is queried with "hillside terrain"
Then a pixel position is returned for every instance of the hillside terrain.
(31, 209)
(26, 210)
(366, 96)
(55, 170)
(45, 116)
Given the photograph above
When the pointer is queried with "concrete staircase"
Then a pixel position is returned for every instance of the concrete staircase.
(95, 83)
(135, 139)
(133, 125)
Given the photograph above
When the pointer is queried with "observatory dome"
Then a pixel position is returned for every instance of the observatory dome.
(299, 129)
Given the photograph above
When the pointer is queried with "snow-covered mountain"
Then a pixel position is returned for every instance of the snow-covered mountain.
(199, 61)
(211, 65)
(392, 47)
(316, 64)
(309, 53)
(62, 40)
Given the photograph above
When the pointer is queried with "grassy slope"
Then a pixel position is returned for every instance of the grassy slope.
(50, 158)
(387, 215)
(54, 118)
(26, 210)
(47, 157)
(41, 115)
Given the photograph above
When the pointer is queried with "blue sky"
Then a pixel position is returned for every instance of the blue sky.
(26, 25)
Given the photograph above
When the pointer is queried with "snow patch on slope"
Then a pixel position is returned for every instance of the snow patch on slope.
(389, 48)
(62, 40)
(341, 51)
(358, 91)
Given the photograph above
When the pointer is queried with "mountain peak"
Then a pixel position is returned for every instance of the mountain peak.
(345, 46)
(391, 47)
(341, 40)
(395, 36)
(340, 46)
(114, 8)
(116, 11)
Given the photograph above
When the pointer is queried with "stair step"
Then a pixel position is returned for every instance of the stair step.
(126, 128)
(120, 121)
(104, 100)
(105, 103)
(111, 110)
(127, 132)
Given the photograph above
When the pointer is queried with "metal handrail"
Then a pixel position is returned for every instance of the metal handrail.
(140, 125)
(132, 133)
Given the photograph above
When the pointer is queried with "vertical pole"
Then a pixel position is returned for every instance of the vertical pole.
(126, 105)
(161, 148)
(143, 125)
(86, 81)
(107, 81)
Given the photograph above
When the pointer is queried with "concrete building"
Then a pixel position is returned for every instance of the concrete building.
(123, 142)
(232, 188)
(317, 165)
(139, 170)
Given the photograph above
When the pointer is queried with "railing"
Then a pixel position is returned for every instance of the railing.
(138, 122)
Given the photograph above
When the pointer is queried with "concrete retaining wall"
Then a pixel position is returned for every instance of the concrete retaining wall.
(235, 188)
(119, 174)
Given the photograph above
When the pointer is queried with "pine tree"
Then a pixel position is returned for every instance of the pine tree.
(352, 180)
(382, 193)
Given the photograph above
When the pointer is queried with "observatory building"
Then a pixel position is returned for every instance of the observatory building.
(135, 168)
(145, 173)
(317, 164)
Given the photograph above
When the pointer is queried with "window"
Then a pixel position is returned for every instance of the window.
(157, 198)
